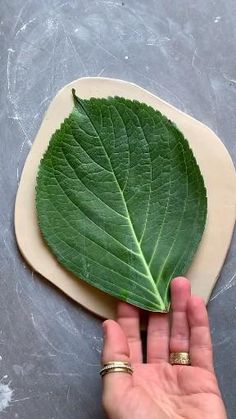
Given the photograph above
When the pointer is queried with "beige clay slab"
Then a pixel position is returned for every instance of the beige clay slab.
(216, 166)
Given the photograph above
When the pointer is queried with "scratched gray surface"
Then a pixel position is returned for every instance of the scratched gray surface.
(182, 51)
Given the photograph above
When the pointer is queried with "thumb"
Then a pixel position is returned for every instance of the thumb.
(115, 349)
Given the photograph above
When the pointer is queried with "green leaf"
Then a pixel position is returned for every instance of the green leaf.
(120, 199)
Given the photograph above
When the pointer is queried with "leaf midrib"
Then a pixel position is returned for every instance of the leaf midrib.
(150, 277)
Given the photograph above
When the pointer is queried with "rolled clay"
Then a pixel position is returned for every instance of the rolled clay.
(214, 161)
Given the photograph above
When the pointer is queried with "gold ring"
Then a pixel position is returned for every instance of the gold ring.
(180, 358)
(116, 366)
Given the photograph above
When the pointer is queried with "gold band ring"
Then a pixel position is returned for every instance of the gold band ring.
(116, 366)
(180, 358)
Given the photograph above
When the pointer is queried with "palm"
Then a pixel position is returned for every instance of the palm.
(179, 392)
(157, 389)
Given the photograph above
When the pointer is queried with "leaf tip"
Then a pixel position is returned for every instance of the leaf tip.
(74, 94)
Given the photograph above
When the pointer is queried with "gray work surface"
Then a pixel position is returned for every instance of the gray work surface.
(183, 51)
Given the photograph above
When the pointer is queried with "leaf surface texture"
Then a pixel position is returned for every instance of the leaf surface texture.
(120, 199)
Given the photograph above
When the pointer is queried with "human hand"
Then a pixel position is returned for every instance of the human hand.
(158, 390)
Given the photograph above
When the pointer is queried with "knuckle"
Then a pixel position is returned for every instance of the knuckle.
(158, 334)
(180, 337)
